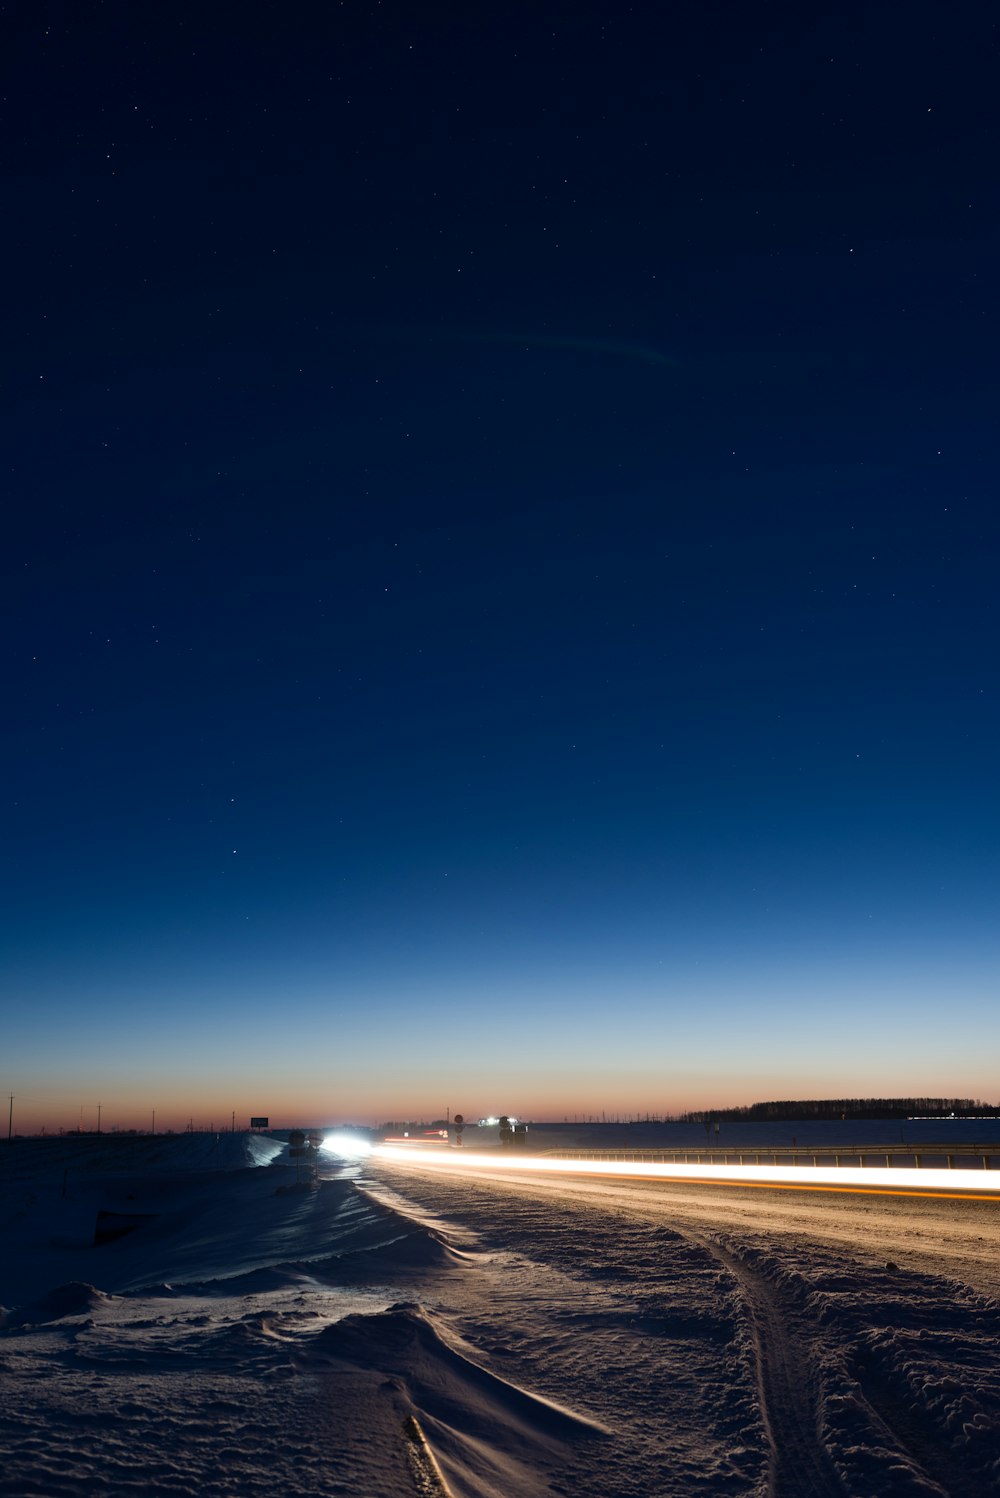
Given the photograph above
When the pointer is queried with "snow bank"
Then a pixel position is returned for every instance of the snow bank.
(489, 1437)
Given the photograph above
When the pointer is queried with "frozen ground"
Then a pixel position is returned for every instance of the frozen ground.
(398, 1330)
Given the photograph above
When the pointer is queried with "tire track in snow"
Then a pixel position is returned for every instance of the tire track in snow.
(799, 1466)
(905, 1429)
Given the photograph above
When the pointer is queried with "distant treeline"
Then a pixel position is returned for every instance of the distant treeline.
(851, 1107)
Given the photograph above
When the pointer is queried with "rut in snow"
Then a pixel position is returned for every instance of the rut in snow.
(799, 1463)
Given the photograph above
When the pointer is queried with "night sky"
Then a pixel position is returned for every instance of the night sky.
(499, 564)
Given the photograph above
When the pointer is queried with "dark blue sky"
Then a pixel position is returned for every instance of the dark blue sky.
(499, 556)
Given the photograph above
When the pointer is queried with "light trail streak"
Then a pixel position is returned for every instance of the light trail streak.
(869, 1180)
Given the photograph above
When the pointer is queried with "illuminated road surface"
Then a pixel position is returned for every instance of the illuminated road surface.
(842, 1337)
(870, 1179)
(950, 1228)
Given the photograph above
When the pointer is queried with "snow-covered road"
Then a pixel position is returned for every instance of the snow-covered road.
(739, 1339)
(953, 1238)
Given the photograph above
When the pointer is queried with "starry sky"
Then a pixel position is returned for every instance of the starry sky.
(499, 558)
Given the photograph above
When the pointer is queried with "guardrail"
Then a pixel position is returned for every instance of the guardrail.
(929, 1155)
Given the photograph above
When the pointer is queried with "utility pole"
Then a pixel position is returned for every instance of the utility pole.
(98, 1118)
(152, 1127)
(10, 1120)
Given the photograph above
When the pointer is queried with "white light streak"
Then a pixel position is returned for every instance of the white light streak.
(848, 1177)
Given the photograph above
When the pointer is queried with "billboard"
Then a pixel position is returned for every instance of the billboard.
(259, 1123)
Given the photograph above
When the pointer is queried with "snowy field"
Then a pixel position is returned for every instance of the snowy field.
(395, 1328)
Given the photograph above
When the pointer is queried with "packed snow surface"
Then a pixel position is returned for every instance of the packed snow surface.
(201, 1314)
